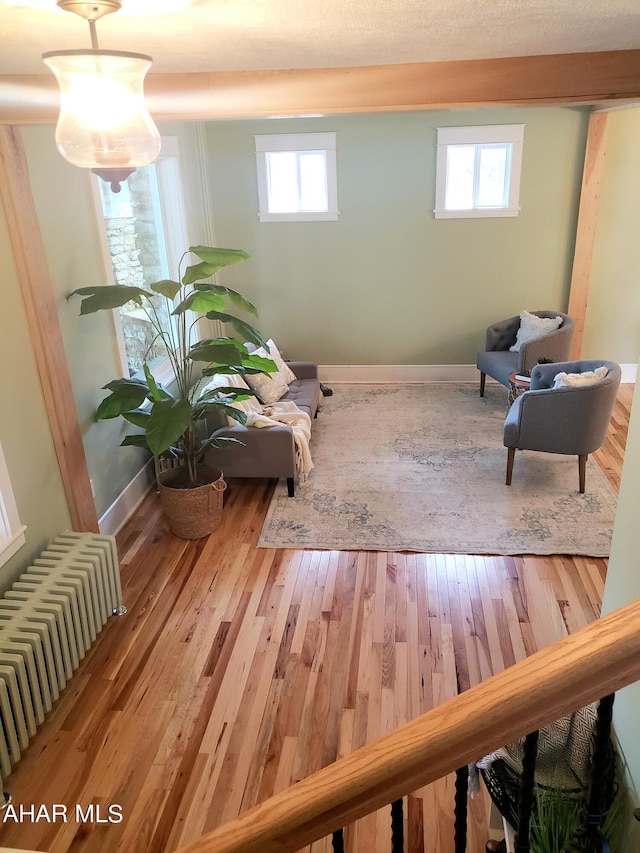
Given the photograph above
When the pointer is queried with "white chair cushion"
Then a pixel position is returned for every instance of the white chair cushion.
(577, 380)
(533, 327)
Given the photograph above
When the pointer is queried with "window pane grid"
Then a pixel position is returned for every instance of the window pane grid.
(478, 171)
(312, 181)
(477, 176)
(297, 181)
(492, 176)
(297, 177)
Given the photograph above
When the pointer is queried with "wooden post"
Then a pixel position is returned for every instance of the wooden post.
(44, 329)
(586, 230)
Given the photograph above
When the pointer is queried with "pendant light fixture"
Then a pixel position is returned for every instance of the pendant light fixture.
(104, 124)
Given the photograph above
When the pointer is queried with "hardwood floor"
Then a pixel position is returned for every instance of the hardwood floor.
(238, 671)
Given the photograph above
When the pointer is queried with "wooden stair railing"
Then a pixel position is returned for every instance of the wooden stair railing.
(580, 669)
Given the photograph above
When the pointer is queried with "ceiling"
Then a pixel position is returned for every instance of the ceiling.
(231, 35)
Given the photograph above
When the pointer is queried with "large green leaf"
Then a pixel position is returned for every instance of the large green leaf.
(154, 390)
(259, 363)
(218, 350)
(138, 440)
(212, 441)
(231, 295)
(198, 271)
(139, 417)
(225, 369)
(219, 399)
(219, 258)
(236, 414)
(245, 330)
(124, 398)
(201, 301)
(168, 421)
(166, 287)
(126, 385)
(229, 393)
(102, 297)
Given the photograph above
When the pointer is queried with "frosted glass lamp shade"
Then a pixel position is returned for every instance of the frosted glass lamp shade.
(104, 121)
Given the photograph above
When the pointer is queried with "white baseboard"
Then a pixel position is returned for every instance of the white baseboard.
(629, 372)
(381, 374)
(394, 373)
(128, 500)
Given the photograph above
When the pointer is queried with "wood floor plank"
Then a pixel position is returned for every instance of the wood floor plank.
(239, 670)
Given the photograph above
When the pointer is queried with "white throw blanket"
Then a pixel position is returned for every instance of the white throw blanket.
(284, 412)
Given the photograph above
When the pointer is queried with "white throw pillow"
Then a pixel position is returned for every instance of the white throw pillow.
(533, 327)
(576, 380)
(271, 386)
(281, 364)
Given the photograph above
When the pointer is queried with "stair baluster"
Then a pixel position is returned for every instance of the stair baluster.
(527, 794)
(397, 827)
(460, 810)
(601, 773)
(337, 841)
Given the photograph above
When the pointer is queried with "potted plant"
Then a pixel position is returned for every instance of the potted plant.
(171, 419)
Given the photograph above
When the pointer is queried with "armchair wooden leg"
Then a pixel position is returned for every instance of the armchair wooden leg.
(582, 470)
(291, 489)
(511, 455)
(483, 376)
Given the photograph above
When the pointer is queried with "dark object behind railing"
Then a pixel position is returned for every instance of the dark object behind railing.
(397, 831)
(460, 810)
(527, 793)
(599, 797)
(397, 827)
(337, 841)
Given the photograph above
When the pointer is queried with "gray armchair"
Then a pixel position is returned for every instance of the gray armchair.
(498, 361)
(572, 421)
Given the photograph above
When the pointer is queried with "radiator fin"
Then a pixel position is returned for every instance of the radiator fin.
(48, 620)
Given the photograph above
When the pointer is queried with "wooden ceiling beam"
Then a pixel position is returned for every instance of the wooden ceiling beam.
(579, 78)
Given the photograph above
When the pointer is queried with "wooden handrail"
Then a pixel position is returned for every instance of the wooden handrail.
(581, 668)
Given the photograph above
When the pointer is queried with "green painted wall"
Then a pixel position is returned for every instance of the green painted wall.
(612, 328)
(24, 428)
(387, 283)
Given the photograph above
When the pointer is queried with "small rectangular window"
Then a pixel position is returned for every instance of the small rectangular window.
(297, 177)
(478, 171)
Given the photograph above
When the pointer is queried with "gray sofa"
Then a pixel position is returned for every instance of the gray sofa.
(266, 451)
(498, 361)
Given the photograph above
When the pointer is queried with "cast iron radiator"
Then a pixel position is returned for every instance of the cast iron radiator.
(48, 620)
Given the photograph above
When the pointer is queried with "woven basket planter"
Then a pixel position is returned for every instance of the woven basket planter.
(192, 513)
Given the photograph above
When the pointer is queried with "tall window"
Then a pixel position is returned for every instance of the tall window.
(297, 178)
(478, 171)
(11, 531)
(144, 235)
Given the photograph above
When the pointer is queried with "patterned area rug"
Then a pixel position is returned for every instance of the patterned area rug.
(422, 467)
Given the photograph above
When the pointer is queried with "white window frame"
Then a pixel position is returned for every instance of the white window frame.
(297, 142)
(171, 201)
(12, 536)
(512, 134)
